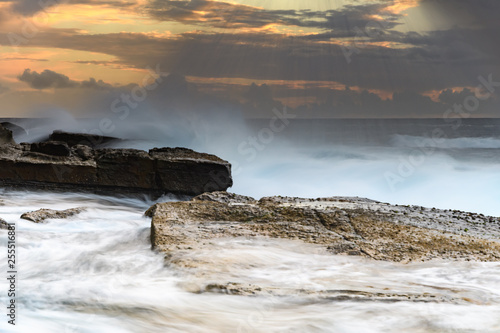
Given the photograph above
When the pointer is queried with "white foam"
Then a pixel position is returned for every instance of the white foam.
(95, 272)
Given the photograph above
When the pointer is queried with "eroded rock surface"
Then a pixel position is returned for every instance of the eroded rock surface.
(44, 214)
(215, 238)
(351, 226)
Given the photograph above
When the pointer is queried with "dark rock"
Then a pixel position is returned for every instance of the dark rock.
(84, 152)
(44, 214)
(3, 224)
(56, 166)
(16, 129)
(91, 140)
(198, 172)
(53, 148)
(6, 136)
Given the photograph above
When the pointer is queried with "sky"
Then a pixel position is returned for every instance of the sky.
(321, 59)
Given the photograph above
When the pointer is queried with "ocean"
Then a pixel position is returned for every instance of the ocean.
(96, 272)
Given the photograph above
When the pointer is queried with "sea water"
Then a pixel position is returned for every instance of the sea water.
(96, 272)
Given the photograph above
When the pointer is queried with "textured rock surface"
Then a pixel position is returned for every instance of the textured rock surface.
(6, 136)
(350, 226)
(91, 140)
(3, 224)
(225, 243)
(44, 214)
(56, 165)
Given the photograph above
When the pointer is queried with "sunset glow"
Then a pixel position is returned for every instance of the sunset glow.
(292, 47)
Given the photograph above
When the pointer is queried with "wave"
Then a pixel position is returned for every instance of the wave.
(457, 174)
(446, 143)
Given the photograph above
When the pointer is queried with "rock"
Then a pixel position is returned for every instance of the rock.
(225, 243)
(91, 140)
(84, 152)
(348, 226)
(6, 136)
(56, 166)
(44, 214)
(53, 148)
(225, 197)
(16, 129)
(197, 172)
(3, 224)
(240, 289)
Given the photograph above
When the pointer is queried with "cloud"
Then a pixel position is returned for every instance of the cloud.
(215, 13)
(174, 95)
(32, 7)
(50, 79)
(277, 57)
(348, 103)
(230, 15)
(92, 83)
(387, 60)
(46, 79)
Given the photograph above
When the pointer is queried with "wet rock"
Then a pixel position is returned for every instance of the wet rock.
(241, 289)
(44, 214)
(56, 166)
(348, 226)
(223, 243)
(3, 224)
(90, 140)
(52, 148)
(6, 136)
(16, 129)
(84, 152)
(225, 197)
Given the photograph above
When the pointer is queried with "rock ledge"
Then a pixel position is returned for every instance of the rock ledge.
(343, 225)
(57, 165)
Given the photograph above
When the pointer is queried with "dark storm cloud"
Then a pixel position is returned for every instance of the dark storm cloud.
(431, 64)
(92, 83)
(226, 15)
(176, 93)
(354, 104)
(50, 79)
(217, 14)
(46, 79)
(349, 20)
(434, 60)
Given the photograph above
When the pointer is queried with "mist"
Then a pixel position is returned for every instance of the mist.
(395, 161)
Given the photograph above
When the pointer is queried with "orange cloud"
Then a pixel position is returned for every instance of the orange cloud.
(400, 6)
